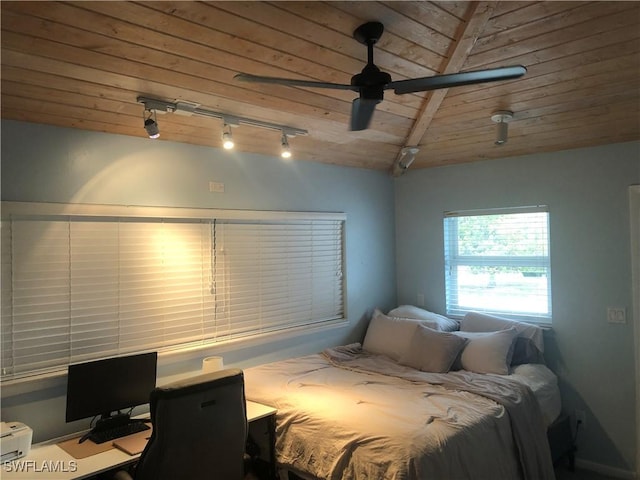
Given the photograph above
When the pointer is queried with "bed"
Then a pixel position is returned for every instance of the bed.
(353, 412)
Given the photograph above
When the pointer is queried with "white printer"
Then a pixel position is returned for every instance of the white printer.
(15, 440)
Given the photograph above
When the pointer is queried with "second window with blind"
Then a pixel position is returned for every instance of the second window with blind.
(497, 261)
(79, 287)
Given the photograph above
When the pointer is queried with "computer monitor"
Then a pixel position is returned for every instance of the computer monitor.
(102, 387)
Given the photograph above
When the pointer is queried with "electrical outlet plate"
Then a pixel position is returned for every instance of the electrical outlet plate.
(216, 187)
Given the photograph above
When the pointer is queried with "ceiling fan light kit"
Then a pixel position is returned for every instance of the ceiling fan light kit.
(371, 82)
(152, 106)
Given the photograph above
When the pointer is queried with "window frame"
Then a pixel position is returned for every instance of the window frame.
(453, 259)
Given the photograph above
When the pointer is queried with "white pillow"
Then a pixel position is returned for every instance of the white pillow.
(488, 352)
(388, 336)
(432, 351)
(430, 319)
(530, 337)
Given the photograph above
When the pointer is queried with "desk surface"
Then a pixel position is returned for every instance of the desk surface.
(48, 460)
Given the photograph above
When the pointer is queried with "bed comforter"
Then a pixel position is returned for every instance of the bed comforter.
(349, 415)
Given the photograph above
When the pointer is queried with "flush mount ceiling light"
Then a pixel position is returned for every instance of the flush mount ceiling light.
(150, 123)
(502, 118)
(189, 109)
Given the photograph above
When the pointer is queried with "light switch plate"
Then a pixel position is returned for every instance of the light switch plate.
(616, 315)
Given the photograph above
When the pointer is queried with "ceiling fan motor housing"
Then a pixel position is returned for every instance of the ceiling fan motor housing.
(371, 82)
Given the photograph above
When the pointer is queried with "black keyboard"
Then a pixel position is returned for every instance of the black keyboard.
(102, 436)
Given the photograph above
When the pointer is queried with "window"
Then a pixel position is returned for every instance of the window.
(94, 282)
(497, 261)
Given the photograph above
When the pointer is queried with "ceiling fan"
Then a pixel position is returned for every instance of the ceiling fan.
(371, 82)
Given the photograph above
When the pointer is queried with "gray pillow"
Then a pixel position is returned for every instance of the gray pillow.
(432, 351)
(529, 346)
(488, 352)
(388, 336)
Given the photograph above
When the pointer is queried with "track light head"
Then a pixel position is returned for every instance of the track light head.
(151, 125)
(408, 155)
(404, 159)
(227, 138)
(286, 149)
(502, 118)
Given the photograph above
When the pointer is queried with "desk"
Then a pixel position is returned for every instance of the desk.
(48, 461)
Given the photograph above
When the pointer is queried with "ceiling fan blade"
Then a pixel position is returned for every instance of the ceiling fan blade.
(361, 113)
(292, 82)
(456, 79)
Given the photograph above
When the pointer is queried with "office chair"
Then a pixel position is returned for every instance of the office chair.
(199, 430)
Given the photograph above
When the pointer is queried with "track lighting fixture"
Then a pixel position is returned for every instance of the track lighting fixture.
(286, 149)
(227, 138)
(153, 105)
(150, 123)
(502, 118)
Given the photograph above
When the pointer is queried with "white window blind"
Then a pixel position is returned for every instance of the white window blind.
(497, 261)
(80, 287)
(276, 275)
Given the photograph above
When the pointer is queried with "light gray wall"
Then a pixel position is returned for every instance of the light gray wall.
(586, 191)
(49, 164)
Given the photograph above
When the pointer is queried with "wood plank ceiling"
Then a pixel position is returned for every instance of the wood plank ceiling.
(83, 65)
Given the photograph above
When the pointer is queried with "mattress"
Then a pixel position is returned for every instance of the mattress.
(348, 415)
(544, 385)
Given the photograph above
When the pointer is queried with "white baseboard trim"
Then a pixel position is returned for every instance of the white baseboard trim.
(605, 469)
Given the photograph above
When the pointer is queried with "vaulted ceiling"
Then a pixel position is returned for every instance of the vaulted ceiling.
(84, 64)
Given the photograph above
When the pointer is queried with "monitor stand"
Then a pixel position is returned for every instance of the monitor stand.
(109, 422)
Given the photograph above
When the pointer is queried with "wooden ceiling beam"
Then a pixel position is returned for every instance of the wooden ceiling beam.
(477, 16)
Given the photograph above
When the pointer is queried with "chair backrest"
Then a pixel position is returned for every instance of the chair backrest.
(199, 429)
